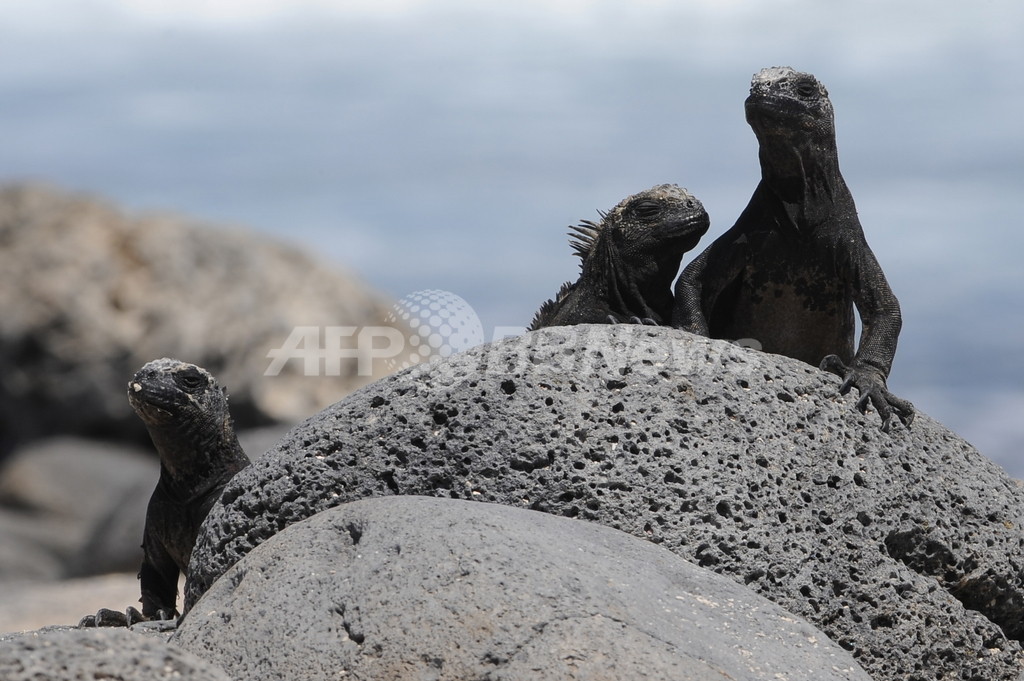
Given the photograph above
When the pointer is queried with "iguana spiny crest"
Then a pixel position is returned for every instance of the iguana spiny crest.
(628, 260)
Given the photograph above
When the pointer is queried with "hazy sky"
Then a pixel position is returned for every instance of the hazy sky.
(449, 144)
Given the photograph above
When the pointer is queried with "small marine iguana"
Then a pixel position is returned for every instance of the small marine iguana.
(628, 260)
(186, 414)
(791, 269)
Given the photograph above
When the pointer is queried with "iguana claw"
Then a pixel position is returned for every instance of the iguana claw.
(644, 321)
(872, 388)
(105, 617)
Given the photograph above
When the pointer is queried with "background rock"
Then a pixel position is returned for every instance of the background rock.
(89, 654)
(71, 507)
(905, 548)
(412, 587)
(76, 506)
(91, 294)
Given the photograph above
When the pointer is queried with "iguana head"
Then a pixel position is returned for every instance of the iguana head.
(659, 224)
(790, 104)
(168, 391)
(186, 414)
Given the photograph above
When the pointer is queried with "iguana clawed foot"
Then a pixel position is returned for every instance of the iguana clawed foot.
(871, 385)
(645, 321)
(106, 617)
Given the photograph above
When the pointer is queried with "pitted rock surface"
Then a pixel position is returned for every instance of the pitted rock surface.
(422, 588)
(905, 548)
(88, 654)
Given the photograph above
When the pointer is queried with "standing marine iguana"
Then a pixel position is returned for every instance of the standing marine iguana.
(629, 260)
(791, 269)
(186, 414)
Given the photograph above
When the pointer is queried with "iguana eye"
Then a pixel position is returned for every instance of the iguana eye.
(646, 210)
(806, 89)
(190, 380)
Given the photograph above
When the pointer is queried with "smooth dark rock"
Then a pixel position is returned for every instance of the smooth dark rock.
(62, 654)
(115, 542)
(421, 588)
(73, 507)
(79, 502)
(905, 548)
(30, 547)
(91, 294)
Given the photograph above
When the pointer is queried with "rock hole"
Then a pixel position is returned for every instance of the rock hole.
(881, 621)
(508, 386)
(354, 532)
(388, 478)
(754, 575)
(353, 636)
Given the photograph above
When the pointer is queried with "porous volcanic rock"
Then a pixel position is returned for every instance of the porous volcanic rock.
(62, 654)
(905, 548)
(91, 294)
(399, 588)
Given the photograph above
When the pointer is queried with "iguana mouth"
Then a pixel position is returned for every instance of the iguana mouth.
(153, 406)
(694, 225)
(151, 413)
(775, 108)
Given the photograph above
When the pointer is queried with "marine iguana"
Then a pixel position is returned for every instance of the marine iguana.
(628, 260)
(791, 269)
(186, 414)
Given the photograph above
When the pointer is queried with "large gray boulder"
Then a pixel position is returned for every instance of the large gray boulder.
(905, 548)
(62, 654)
(90, 294)
(414, 588)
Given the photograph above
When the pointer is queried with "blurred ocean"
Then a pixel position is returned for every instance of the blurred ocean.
(448, 144)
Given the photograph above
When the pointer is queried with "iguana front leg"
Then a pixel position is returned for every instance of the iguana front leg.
(701, 283)
(872, 387)
(159, 577)
(881, 321)
(688, 313)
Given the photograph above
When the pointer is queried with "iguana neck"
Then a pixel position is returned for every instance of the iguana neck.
(804, 177)
(196, 456)
(614, 282)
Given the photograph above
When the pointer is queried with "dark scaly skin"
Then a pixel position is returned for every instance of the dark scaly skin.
(186, 414)
(790, 271)
(629, 260)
